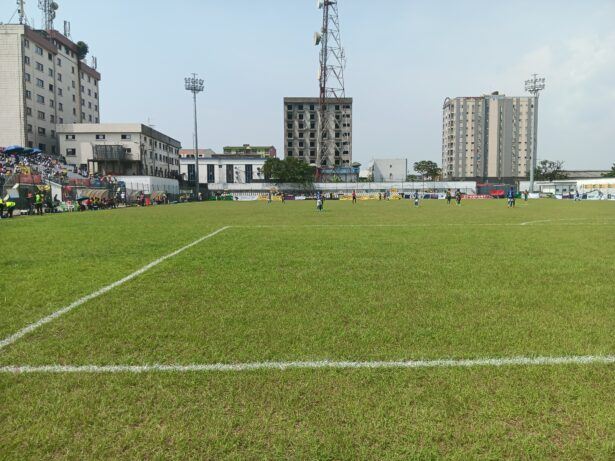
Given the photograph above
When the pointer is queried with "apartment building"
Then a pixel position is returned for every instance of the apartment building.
(119, 149)
(302, 131)
(43, 84)
(487, 137)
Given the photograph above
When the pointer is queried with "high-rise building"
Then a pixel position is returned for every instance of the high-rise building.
(487, 137)
(43, 83)
(302, 130)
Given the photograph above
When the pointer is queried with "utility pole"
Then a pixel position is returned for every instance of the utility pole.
(195, 85)
(534, 86)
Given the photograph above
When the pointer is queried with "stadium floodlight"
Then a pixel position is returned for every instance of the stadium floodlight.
(195, 85)
(534, 86)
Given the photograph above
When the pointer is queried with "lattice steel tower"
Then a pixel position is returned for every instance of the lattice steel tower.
(330, 76)
(49, 8)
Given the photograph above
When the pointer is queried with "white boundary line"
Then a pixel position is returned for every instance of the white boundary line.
(33, 326)
(323, 364)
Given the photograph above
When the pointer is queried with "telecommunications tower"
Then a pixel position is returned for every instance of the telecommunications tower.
(534, 86)
(330, 76)
(49, 8)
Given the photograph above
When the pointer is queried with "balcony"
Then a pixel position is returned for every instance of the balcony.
(110, 153)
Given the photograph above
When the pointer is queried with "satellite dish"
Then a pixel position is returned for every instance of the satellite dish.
(317, 38)
(54, 6)
(356, 165)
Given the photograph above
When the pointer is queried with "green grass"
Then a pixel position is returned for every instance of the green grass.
(374, 281)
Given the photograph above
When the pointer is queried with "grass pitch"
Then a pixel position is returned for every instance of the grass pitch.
(376, 281)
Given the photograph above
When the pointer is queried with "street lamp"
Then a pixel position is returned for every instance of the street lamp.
(195, 85)
(534, 86)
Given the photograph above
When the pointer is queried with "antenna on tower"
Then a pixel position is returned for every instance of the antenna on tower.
(49, 8)
(330, 76)
(21, 11)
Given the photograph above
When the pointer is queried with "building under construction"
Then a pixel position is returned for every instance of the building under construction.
(303, 134)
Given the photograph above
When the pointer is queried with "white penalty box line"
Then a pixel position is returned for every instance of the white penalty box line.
(65, 310)
(311, 365)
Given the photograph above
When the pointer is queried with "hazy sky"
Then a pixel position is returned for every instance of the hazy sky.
(404, 58)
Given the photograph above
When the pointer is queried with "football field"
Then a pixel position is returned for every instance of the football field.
(368, 331)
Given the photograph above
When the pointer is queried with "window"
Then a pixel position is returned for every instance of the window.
(89, 105)
(26, 43)
(290, 144)
(59, 61)
(26, 60)
(74, 85)
(29, 128)
(89, 92)
(51, 87)
(27, 77)
(51, 103)
(60, 92)
(61, 107)
(311, 106)
(40, 99)
(60, 120)
(126, 136)
(28, 111)
(100, 136)
(40, 83)
(96, 95)
(40, 67)
(230, 173)
(211, 174)
(52, 118)
(82, 89)
(41, 130)
(96, 107)
(50, 72)
(90, 118)
(41, 115)
(38, 50)
(71, 152)
(289, 126)
(28, 94)
(249, 173)
(50, 56)
(59, 77)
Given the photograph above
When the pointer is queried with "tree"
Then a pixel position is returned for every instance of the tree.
(610, 174)
(289, 170)
(82, 50)
(428, 169)
(548, 170)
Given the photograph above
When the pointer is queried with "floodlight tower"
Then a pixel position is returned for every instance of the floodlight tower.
(330, 75)
(49, 8)
(195, 85)
(534, 86)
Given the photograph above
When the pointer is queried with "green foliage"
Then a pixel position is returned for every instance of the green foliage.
(549, 170)
(610, 174)
(82, 49)
(428, 169)
(289, 170)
